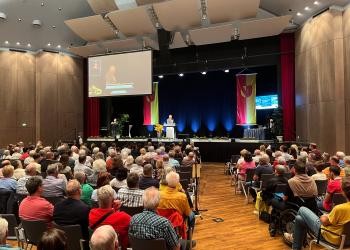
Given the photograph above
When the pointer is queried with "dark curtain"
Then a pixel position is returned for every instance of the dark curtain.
(288, 85)
(93, 116)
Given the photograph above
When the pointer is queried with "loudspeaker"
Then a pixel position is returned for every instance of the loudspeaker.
(164, 38)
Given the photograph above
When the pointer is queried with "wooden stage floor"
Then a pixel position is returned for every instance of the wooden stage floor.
(241, 228)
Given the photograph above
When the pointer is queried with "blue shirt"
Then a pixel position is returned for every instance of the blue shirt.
(8, 183)
(5, 247)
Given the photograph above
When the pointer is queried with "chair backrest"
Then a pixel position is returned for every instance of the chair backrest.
(33, 230)
(74, 235)
(131, 210)
(184, 184)
(249, 174)
(20, 198)
(185, 175)
(338, 198)
(155, 244)
(235, 158)
(281, 188)
(321, 186)
(54, 200)
(7, 201)
(11, 219)
(265, 179)
(346, 232)
(287, 175)
(185, 169)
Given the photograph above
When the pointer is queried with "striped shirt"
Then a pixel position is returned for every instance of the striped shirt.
(148, 225)
(130, 197)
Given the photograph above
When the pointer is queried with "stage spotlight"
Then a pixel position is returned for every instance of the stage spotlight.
(204, 73)
(227, 71)
(160, 77)
(181, 74)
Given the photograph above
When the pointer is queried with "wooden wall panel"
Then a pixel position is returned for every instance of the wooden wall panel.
(47, 62)
(26, 91)
(321, 110)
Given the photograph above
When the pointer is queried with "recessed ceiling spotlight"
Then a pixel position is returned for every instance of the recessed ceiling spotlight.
(181, 74)
(42, 4)
(19, 19)
(299, 14)
(307, 8)
(204, 73)
(160, 77)
(18, 43)
(3, 16)
(59, 8)
(6, 42)
(316, 3)
(59, 46)
(49, 44)
(227, 71)
(29, 45)
(54, 26)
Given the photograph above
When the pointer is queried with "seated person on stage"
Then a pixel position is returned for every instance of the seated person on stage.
(188, 160)
(264, 167)
(118, 220)
(52, 185)
(8, 182)
(72, 211)
(104, 238)
(131, 196)
(34, 207)
(149, 225)
(147, 180)
(306, 221)
(334, 186)
(171, 198)
(3, 235)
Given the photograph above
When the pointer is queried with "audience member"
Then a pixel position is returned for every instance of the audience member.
(188, 160)
(52, 185)
(149, 225)
(34, 207)
(21, 183)
(334, 186)
(147, 180)
(86, 189)
(319, 175)
(109, 208)
(3, 236)
(8, 182)
(131, 196)
(72, 211)
(103, 179)
(80, 166)
(104, 238)
(53, 239)
(137, 168)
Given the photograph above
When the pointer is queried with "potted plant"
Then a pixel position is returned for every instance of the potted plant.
(277, 121)
(117, 125)
(159, 129)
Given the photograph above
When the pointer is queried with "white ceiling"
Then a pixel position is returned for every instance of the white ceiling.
(54, 13)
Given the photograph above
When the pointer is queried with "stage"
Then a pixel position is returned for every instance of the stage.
(211, 149)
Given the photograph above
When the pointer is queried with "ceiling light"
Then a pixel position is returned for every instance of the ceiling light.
(307, 8)
(3, 16)
(204, 73)
(227, 70)
(54, 26)
(6, 42)
(161, 76)
(181, 74)
(59, 8)
(18, 43)
(59, 46)
(49, 44)
(29, 45)
(37, 23)
(42, 4)
(299, 14)
(316, 3)
(19, 19)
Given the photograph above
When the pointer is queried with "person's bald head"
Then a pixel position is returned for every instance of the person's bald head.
(104, 238)
(73, 189)
(5, 163)
(31, 169)
(190, 155)
(49, 155)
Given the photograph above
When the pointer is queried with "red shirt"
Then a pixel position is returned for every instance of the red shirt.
(24, 156)
(118, 220)
(36, 208)
(334, 186)
(246, 165)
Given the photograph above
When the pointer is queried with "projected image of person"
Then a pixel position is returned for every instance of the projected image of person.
(111, 75)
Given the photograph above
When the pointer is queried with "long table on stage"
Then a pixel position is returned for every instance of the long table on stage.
(212, 150)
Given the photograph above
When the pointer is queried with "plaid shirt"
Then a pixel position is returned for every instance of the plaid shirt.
(149, 225)
(130, 197)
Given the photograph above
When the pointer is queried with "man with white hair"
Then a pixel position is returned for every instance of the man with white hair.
(171, 198)
(52, 185)
(149, 225)
(104, 238)
(137, 167)
(16, 155)
(3, 236)
(188, 160)
(75, 152)
(30, 171)
(30, 158)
